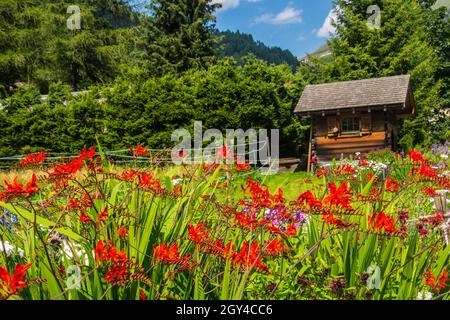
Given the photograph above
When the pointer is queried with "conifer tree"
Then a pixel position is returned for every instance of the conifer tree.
(179, 35)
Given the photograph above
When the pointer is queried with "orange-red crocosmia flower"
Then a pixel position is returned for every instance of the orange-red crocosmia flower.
(171, 255)
(309, 199)
(250, 257)
(139, 151)
(417, 157)
(85, 218)
(392, 185)
(329, 218)
(274, 247)
(379, 221)
(146, 181)
(339, 196)
(129, 175)
(243, 167)
(142, 296)
(103, 216)
(100, 251)
(15, 189)
(429, 191)
(292, 230)
(88, 154)
(34, 159)
(12, 284)
(68, 169)
(199, 233)
(436, 284)
(122, 232)
(223, 154)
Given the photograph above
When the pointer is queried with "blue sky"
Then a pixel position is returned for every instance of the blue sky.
(298, 25)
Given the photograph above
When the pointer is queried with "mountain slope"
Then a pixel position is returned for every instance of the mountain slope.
(238, 45)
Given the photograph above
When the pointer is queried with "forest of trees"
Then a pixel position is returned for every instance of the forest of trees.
(238, 45)
(148, 73)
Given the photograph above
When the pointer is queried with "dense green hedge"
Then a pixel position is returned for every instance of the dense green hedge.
(255, 95)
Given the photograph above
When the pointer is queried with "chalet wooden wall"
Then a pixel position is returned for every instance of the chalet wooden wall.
(377, 131)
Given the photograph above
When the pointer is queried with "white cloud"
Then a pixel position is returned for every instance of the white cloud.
(227, 4)
(327, 28)
(289, 15)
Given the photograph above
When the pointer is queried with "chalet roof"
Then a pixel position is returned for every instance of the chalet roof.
(386, 91)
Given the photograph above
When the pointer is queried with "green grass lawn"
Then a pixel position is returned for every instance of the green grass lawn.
(292, 184)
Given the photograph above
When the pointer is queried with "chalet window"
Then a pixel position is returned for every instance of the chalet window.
(350, 125)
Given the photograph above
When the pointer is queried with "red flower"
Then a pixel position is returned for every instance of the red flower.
(329, 218)
(245, 220)
(68, 169)
(118, 264)
(146, 181)
(129, 175)
(309, 199)
(345, 169)
(142, 296)
(417, 157)
(243, 167)
(427, 171)
(34, 159)
(122, 232)
(88, 154)
(321, 172)
(381, 222)
(73, 204)
(292, 230)
(274, 247)
(429, 191)
(260, 196)
(140, 151)
(198, 233)
(391, 185)
(370, 176)
(229, 251)
(250, 257)
(102, 216)
(170, 255)
(363, 162)
(15, 189)
(85, 218)
(339, 196)
(100, 251)
(436, 284)
(15, 283)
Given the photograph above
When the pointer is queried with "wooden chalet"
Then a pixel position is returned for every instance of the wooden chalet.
(355, 116)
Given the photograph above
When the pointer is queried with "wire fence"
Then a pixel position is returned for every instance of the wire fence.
(165, 155)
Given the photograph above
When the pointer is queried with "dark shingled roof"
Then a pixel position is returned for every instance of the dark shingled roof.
(354, 94)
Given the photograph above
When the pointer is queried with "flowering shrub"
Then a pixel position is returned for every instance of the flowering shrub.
(85, 229)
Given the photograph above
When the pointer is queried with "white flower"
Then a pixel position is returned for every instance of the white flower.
(424, 295)
(444, 156)
(70, 249)
(176, 181)
(10, 249)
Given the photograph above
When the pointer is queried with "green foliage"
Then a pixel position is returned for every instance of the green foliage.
(225, 96)
(37, 47)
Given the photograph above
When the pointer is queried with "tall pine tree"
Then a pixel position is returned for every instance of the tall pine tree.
(179, 35)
